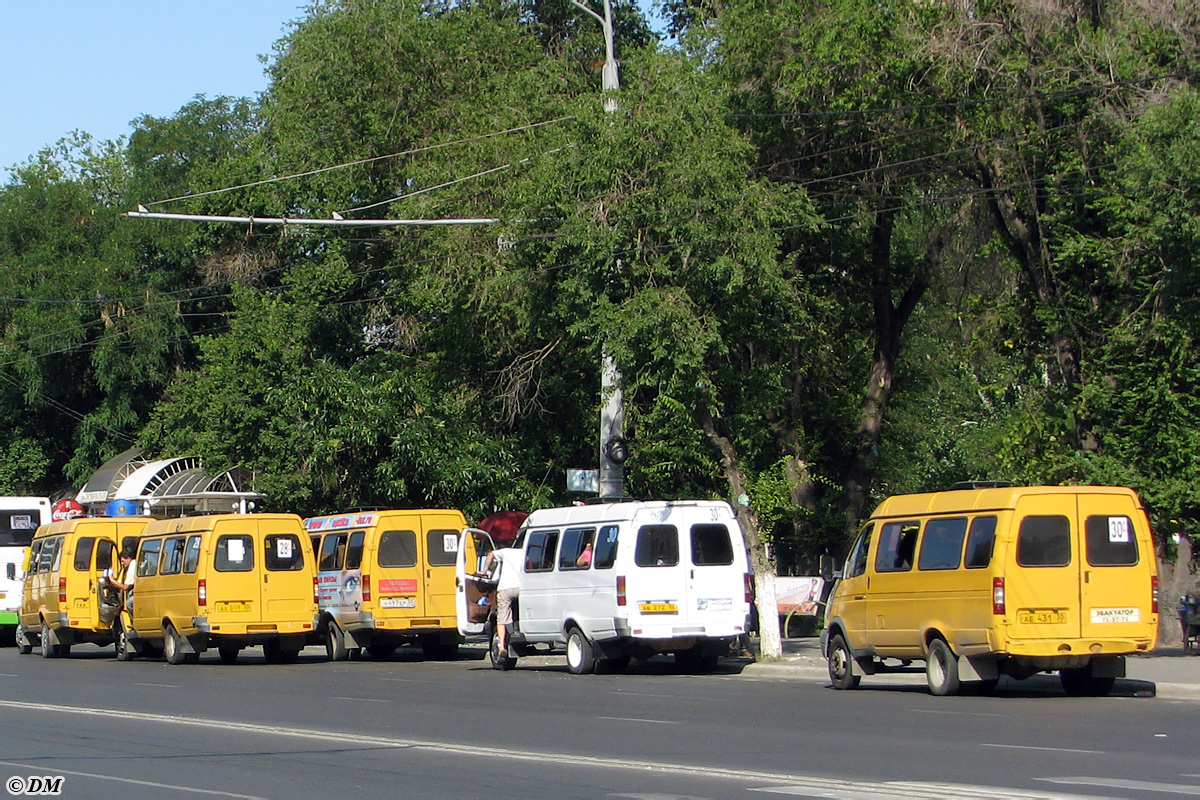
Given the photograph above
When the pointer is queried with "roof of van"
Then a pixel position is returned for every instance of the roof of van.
(964, 500)
(603, 512)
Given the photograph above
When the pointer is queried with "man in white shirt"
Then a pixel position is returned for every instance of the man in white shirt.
(508, 586)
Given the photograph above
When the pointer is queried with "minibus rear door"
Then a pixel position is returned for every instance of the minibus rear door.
(474, 594)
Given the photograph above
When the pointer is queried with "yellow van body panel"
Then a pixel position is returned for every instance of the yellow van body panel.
(76, 618)
(1075, 566)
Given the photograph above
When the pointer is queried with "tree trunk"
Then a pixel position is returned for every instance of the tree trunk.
(761, 563)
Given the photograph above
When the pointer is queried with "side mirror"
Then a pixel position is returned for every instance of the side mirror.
(11, 572)
(828, 572)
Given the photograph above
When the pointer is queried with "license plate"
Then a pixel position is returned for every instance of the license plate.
(227, 606)
(658, 608)
(1042, 617)
(398, 602)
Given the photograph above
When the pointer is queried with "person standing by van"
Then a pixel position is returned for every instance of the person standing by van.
(128, 576)
(508, 586)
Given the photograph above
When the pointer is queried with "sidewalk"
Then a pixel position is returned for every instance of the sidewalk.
(1167, 672)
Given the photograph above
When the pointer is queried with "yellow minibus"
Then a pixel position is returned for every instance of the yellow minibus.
(989, 579)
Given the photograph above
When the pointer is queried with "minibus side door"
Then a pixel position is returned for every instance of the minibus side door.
(850, 594)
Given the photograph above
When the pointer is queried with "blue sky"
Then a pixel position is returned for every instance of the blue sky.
(96, 65)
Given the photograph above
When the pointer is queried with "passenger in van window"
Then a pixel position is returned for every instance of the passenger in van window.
(585, 558)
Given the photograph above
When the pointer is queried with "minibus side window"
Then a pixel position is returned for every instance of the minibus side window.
(34, 554)
(235, 553)
(50, 555)
(282, 552)
(148, 558)
(980, 542)
(856, 563)
(1110, 541)
(606, 548)
(172, 556)
(83, 553)
(657, 546)
(398, 549)
(711, 546)
(191, 555)
(942, 544)
(539, 556)
(333, 552)
(897, 545)
(355, 551)
(1044, 542)
(441, 547)
(105, 550)
(574, 541)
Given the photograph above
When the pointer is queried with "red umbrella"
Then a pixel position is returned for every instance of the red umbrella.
(502, 526)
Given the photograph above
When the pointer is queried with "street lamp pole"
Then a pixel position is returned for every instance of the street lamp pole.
(613, 450)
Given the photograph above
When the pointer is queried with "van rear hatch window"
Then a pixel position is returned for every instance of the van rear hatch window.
(398, 549)
(1044, 542)
(442, 547)
(83, 553)
(282, 552)
(17, 527)
(657, 546)
(235, 553)
(1110, 541)
(711, 545)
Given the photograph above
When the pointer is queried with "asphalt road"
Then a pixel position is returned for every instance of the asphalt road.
(411, 728)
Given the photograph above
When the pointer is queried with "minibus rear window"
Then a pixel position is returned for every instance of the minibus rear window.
(398, 549)
(105, 550)
(606, 548)
(1110, 541)
(148, 558)
(980, 542)
(282, 552)
(235, 553)
(17, 527)
(941, 546)
(657, 546)
(897, 546)
(442, 547)
(711, 545)
(83, 553)
(1044, 542)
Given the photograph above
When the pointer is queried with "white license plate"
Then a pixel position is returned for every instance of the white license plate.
(398, 602)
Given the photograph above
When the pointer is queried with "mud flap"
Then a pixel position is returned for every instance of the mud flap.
(978, 669)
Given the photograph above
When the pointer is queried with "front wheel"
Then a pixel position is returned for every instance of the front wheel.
(841, 664)
(941, 669)
(580, 657)
(121, 643)
(24, 646)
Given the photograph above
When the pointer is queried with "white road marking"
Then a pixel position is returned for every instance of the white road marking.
(364, 699)
(159, 685)
(784, 783)
(956, 713)
(1047, 749)
(43, 769)
(1122, 783)
(637, 719)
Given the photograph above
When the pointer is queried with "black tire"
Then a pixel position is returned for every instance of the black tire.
(173, 645)
(121, 644)
(21, 637)
(1081, 683)
(617, 665)
(581, 657)
(48, 648)
(500, 661)
(381, 652)
(335, 643)
(941, 669)
(228, 653)
(841, 664)
(272, 652)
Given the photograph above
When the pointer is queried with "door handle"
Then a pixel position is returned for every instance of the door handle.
(860, 597)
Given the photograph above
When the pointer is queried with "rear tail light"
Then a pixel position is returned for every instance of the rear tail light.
(202, 593)
(316, 590)
(366, 587)
(997, 595)
(62, 591)
(1153, 594)
(620, 590)
(749, 588)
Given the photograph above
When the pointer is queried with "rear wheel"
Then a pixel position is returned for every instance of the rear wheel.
(502, 661)
(173, 645)
(941, 669)
(49, 648)
(841, 664)
(580, 657)
(1081, 683)
(121, 643)
(335, 643)
(380, 652)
